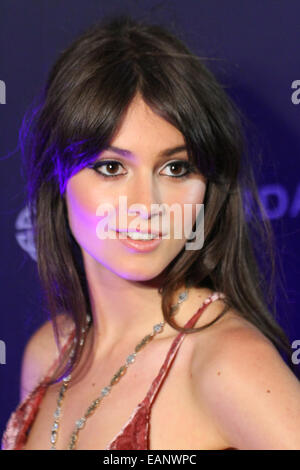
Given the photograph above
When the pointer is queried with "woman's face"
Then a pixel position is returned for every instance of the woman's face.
(144, 176)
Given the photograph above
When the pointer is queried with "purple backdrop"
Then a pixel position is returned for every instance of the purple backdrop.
(258, 61)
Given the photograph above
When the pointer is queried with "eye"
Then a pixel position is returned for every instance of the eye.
(111, 164)
(183, 164)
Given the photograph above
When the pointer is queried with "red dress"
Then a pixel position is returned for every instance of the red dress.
(134, 435)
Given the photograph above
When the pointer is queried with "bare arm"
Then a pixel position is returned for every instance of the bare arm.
(250, 393)
(39, 353)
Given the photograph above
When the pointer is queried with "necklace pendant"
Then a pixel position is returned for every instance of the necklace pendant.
(130, 359)
(80, 423)
(105, 391)
(55, 426)
(57, 412)
(182, 297)
(53, 437)
(158, 328)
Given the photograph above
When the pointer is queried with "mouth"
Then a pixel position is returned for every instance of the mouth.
(139, 235)
(142, 242)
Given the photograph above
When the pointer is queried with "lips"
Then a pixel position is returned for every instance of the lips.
(140, 246)
(158, 234)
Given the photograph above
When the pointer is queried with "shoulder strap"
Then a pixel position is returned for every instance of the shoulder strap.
(157, 382)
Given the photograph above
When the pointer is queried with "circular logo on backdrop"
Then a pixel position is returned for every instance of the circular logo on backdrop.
(24, 233)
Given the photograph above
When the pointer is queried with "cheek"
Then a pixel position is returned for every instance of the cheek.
(194, 193)
(187, 198)
(195, 196)
(81, 206)
(84, 198)
(190, 193)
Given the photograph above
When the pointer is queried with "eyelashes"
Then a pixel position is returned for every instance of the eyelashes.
(181, 163)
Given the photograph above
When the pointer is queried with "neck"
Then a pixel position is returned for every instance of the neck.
(123, 310)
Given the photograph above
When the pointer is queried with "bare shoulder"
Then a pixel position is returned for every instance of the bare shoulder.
(39, 353)
(247, 389)
(231, 340)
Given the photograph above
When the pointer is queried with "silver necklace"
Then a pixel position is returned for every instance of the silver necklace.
(158, 328)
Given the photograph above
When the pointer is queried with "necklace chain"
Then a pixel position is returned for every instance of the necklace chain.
(158, 328)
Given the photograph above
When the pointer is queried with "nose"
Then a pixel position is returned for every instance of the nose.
(144, 198)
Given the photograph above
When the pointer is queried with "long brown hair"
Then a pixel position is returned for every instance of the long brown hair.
(88, 90)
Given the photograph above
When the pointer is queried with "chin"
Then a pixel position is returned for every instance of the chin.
(137, 273)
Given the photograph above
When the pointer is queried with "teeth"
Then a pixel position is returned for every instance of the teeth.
(140, 236)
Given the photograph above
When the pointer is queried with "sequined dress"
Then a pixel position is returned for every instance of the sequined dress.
(134, 435)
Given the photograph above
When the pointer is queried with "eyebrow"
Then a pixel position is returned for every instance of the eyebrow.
(164, 153)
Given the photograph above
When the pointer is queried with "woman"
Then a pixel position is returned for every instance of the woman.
(128, 111)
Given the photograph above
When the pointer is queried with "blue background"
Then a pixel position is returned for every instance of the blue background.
(254, 46)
